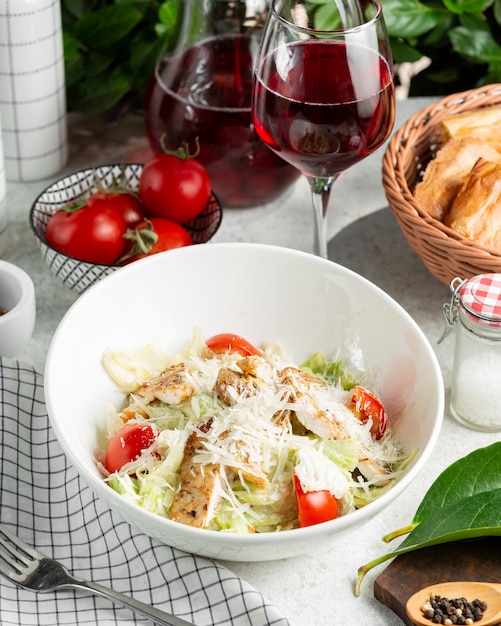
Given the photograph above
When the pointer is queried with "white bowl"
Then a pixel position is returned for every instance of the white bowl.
(17, 298)
(262, 293)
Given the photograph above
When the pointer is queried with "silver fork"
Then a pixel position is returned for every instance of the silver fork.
(31, 569)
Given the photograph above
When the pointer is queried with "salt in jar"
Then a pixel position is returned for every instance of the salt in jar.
(475, 311)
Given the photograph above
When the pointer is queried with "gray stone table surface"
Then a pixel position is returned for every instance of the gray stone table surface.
(316, 589)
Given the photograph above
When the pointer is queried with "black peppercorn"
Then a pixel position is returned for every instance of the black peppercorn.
(441, 610)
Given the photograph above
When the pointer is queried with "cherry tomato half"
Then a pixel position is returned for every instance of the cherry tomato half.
(174, 188)
(366, 407)
(92, 233)
(314, 507)
(227, 342)
(127, 444)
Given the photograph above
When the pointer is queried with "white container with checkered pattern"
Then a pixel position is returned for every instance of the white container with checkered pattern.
(32, 89)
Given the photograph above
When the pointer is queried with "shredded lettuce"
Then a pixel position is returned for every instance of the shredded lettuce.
(342, 452)
(331, 371)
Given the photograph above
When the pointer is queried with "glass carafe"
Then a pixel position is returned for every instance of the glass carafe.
(201, 93)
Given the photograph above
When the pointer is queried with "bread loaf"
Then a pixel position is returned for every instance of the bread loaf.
(476, 210)
(482, 123)
(446, 173)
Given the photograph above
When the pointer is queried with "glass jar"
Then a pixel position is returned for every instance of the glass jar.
(200, 93)
(476, 375)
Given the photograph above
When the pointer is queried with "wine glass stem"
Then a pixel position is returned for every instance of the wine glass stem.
(320, 193)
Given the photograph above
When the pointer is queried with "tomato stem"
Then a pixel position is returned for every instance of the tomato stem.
(183, 152)
(75, 205)
(142, 239)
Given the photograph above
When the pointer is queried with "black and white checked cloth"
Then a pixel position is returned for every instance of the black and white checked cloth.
(43, 501)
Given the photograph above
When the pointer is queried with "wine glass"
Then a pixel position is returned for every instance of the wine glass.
(324, 99)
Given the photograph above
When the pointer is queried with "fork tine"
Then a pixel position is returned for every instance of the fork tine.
(16, 553)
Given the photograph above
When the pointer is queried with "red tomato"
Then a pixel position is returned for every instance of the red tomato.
(367, 406)
(314, 507)
(127, 444)
(128, 204)
(227, 342)
(155, 235)
(89, 233)
(174, 188)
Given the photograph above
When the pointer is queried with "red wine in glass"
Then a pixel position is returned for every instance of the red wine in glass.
(320, 126)
(204, 94)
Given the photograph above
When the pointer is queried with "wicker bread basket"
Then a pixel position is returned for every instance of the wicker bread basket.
(445, 253)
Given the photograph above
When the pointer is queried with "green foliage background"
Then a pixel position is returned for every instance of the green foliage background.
(461, 37)
(110, 46)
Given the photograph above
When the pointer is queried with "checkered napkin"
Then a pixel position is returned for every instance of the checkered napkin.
(43, 501)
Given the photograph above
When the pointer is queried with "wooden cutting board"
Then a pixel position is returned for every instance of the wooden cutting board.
(479, 559)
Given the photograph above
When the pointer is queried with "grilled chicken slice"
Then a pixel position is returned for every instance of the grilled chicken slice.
(171, 386)
(324, 423)
(231, 386)
(132, 411)
(252, 472)
(303, 386)
(249, 469)
(256, 366)
(371, 470)
(200, 492)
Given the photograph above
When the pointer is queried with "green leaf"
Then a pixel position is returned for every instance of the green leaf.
(141, 4)
(327, 17)
(479, 45)
(99, 95)
(493, 75)
(438, 37)
(474, 21)
(475, 473)
(496, 10)
(469, 518)
(98, 63)
(169, 20)
(106, 25)
(467, 6)
(76, 8)
(403, 53)
(74, 69)
(409, 18)
(71, 46)
(168, 14)
(144, 54)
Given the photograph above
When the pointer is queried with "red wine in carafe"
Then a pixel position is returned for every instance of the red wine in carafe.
(204, 95)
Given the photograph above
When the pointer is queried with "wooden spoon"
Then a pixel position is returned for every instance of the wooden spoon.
(486, 592)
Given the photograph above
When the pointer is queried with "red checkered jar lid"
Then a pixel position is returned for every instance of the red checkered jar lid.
(480, 298)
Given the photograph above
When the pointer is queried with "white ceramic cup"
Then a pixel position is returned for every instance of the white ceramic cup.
(17, 298)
